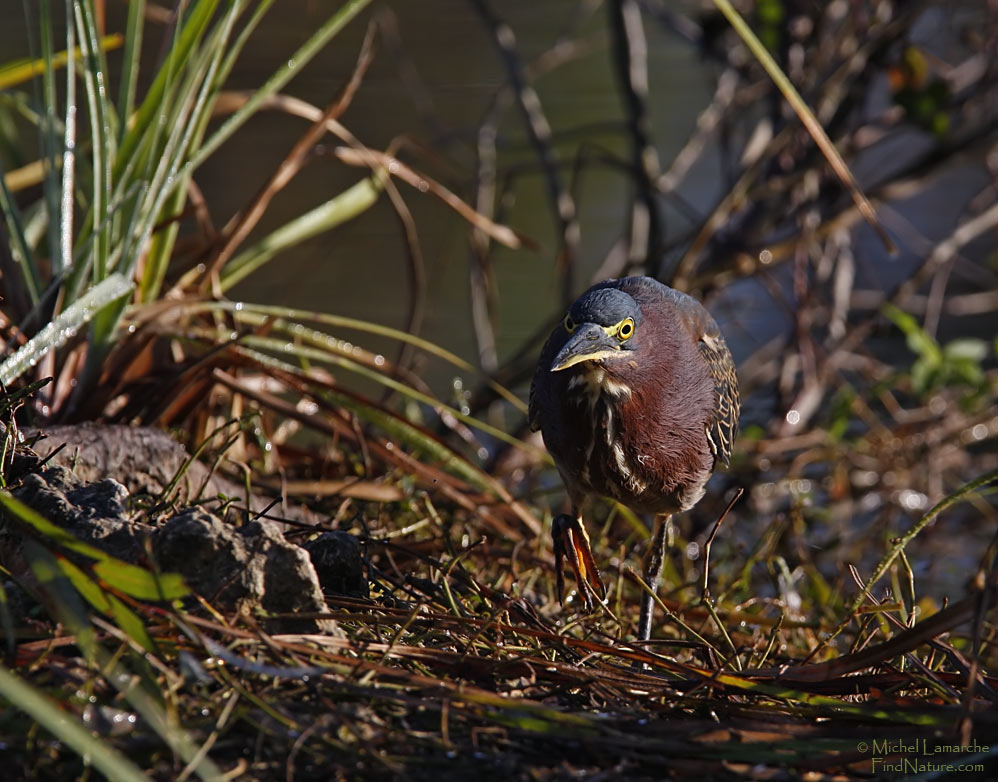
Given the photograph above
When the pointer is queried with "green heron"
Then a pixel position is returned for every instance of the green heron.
(637, 399)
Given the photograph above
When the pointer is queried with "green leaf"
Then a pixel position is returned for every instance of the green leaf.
(919, 342)
(325, 217)
(108, 604)
(967, 370)
(923, 374)
(966, 348)
(139, 582)
(130, 579)
(20, 71)
(67, 728)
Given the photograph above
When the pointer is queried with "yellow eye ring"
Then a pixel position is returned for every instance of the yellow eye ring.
(569, 324)
(626, 329)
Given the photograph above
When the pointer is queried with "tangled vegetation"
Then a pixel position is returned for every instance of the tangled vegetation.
(839, 622)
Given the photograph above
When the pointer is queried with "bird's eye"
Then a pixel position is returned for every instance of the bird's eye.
(626, 329)
(569, 324)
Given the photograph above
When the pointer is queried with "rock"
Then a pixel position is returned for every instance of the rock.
(92, 512)
(245, 567)
(249, 567)
(145, 460)
(339, 563)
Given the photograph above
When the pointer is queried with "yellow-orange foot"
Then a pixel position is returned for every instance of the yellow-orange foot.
(571, 541)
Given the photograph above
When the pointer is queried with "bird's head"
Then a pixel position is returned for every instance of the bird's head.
(602, 327)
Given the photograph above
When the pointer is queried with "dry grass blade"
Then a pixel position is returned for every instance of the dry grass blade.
(842, 171)
(381, 162)
(242, 224)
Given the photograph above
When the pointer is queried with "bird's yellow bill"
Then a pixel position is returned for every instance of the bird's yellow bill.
(578, 358)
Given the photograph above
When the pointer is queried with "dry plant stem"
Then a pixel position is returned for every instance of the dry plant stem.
(241, 225)
(831, 361)
(480, 270)
(705, 591)
(417, 275)
(908, 184)
(672, 615)
(835, 160)
(988, 575)
(707, 122)
(949, 691)
(899, 545)
(415, 87)
(433, 477)
(945, 251)
(208, 743)
(721, 214)
(379, 161)
(484, 304)
(631, 66)
(692, 674)
(940, 255)
(941, 622)
(540, 136)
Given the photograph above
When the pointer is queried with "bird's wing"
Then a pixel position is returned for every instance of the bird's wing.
(723, 424)
(723, 421)
(541, 376)
(533, 419)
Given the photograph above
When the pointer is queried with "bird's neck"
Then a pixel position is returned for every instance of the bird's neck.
(592, 380)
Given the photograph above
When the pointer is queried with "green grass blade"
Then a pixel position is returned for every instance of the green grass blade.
(24, 70)
(51, 152)
(403, 431)
(195, 115)
(192, 98)
(62, 251)
(130, 579)
(252, 313)
(325, 217)
(107, 604)
(68, 729)
(134, 28)
(140, 692)
(317, 354)
(165, 724)
(7, 624)
(425, 345)
(61, 599)
(102, 141)
(20, 250)
(282, 76)
(64, 327)
(197, 20)
(252, 23)
(900, 542)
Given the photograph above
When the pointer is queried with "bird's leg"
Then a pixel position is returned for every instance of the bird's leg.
(653, 571)
(571, 539)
